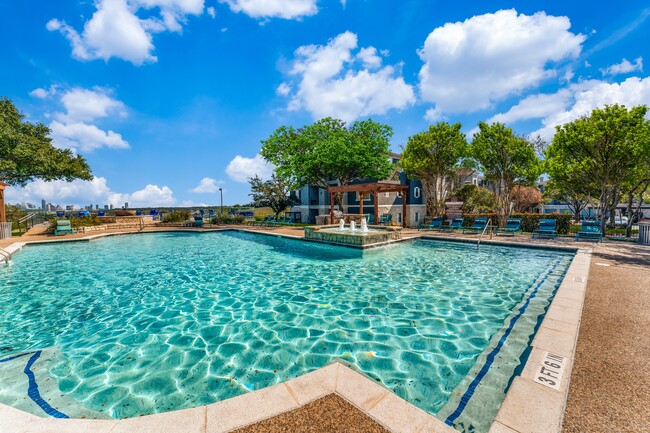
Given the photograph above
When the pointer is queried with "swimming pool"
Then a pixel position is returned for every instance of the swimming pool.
(148, 323)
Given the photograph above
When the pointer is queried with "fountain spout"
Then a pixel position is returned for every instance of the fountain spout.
(341, 224)
(364, 225)
(352, 225)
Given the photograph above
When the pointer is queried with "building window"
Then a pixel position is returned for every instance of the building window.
(387, 194)
(417, 216)
(399, 217)
(416, 192)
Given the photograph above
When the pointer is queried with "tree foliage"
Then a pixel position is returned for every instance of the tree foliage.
(601, 154)
(27, 154)
(274, 193)
(525, 198)
(433, 156)
(506, 161)
(330, 151)
(476, 199)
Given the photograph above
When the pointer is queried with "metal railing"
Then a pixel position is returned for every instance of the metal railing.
(487, 224)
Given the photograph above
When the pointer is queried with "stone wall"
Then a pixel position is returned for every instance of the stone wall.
(386, 234)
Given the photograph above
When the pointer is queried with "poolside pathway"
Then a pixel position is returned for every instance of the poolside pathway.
(610, 383)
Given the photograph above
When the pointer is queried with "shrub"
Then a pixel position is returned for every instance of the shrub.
(87, 221)
(529, 221)
(228, 219)
(177, 216)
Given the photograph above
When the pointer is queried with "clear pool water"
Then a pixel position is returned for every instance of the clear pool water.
(154, 322)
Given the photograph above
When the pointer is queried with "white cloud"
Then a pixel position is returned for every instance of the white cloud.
(329, 84)
(87, 105)
(369, 57)
(73, 128)
(624, 67)
(240, 169)
(41, 93)
(283, 89)
(82, 193)
(115, 30)
(576, 100)
(434, 115)
(211, 12)
(535, 107)
(287, 9)
(84, 137)
(206, 185)
(471, 64)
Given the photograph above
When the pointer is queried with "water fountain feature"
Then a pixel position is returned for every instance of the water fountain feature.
(360, 236)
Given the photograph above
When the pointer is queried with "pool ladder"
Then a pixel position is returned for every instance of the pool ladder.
(487, 224)
(5, 256)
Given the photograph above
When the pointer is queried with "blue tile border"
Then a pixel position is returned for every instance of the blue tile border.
(495, 351)
(32, 390)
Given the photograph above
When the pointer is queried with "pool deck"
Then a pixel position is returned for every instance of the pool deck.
(529, 405)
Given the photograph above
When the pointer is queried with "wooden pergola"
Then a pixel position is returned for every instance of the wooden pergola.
(374, 188)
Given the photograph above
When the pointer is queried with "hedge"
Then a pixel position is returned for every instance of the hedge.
(529, 221)
(228, 219)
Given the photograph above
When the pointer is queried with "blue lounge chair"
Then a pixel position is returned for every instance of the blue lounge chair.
(435, 224)
(198, 221)
(63, 227)
(386, 219)
(101, 213)
(547, 229)
(370, 218)
(60, 214)
(455, 224)
(477, 226)
(590, 230)
(513, 225)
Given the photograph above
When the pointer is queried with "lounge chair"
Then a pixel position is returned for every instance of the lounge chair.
(270, 222)
(63, 227)
(370, 219)
(262, 221)
(435, 224)
(590, 230)
(455, 224)
(477, 227)
(547, 229)
(198, 221)
(386, 219)
(513, 225)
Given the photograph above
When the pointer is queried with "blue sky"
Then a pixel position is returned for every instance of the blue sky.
(168, 99)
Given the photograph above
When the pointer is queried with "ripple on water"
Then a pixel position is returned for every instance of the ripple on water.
(156, 322)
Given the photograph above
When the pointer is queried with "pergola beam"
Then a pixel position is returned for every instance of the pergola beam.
(373, 188)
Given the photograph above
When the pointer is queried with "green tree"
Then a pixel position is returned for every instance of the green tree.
(576, 197)
(600, 154)
(476, 199)
(506, 161)
(328, 152)
(27, 154)
(274, 193)
(433, 156)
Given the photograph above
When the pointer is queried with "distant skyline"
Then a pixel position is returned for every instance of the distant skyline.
(168, 99)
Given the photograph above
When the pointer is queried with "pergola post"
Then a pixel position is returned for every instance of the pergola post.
(331, 208)
(376, 196)
(3, 215)
(361, 194)
(405, 195)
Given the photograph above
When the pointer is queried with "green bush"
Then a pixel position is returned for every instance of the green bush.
(177, 216)
(529, 221)
(228, 219)
(87, 221)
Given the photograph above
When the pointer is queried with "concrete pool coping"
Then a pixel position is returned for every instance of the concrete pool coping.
(529, 407)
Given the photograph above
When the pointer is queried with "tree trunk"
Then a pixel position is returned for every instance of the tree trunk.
(630, 212)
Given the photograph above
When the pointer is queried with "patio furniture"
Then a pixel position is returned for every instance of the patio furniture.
(547, 229)
(198, 221)
(477, 227)
(63, 227)
(513, 225)
(590, 230)
(386, 219)
(455, 224)
(435, 224)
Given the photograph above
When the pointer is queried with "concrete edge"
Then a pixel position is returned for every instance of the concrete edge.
(530, 407)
